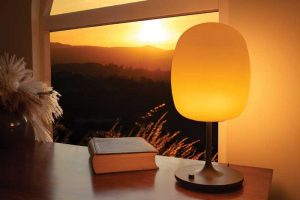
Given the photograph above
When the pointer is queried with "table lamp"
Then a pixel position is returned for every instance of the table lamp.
(210, 79)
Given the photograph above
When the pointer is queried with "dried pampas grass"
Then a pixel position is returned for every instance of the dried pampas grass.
(21, 93)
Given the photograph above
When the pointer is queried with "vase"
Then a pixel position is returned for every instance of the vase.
(13, 129)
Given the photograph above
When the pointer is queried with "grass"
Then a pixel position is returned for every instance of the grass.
(151, 127)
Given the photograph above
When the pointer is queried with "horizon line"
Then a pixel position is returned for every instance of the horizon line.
(112, 46)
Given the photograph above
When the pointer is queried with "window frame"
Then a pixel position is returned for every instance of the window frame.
(152, 9)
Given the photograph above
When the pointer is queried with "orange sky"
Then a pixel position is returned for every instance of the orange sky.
(161, 33)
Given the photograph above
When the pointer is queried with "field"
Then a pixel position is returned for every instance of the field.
(110, 100)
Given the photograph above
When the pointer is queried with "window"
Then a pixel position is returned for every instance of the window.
(115, 80)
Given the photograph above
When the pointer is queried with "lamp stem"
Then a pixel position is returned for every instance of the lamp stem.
(209, 178)
(208, 163)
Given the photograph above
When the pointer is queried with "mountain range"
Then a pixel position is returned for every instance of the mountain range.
(145, 57)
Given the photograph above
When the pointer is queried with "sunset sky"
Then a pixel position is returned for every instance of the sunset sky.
(161, 33)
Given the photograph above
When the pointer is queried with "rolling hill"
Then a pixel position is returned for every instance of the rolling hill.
(146, 57)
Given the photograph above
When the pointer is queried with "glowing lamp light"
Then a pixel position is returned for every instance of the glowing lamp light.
(210, 82)
(210, 73)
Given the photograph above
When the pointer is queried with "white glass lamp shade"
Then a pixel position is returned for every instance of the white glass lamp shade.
(210, 73)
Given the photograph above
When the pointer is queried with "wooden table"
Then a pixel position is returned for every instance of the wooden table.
(62, 172)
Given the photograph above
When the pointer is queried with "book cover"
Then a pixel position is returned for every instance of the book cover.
(120, 145)
(121, 154)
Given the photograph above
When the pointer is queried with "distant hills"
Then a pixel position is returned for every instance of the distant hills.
(109, 71)
(146, 57)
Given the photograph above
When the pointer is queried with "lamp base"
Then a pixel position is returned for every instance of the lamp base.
(213, 179)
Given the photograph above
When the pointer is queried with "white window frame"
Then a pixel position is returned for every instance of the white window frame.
(144, 10)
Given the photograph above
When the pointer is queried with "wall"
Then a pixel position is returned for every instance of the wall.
(267, 134)
(15, 34)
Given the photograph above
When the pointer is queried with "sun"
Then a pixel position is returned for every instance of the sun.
(152, 32)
